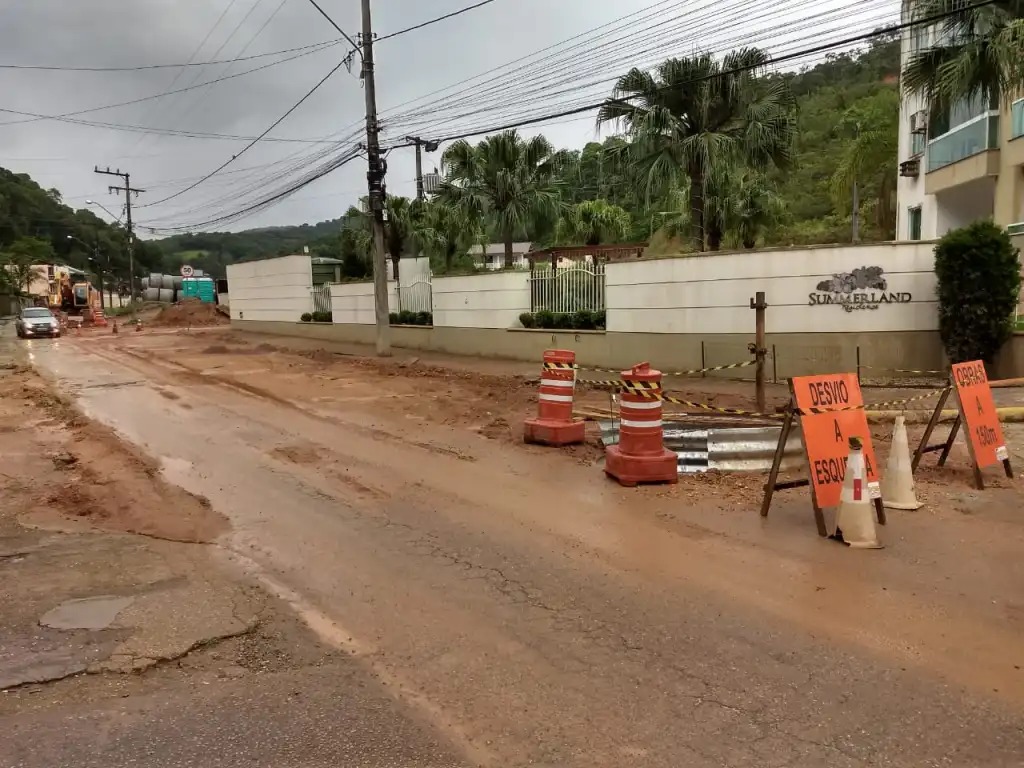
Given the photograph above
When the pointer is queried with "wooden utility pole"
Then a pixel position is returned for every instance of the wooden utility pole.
(758, 348)
(128, 192)
(375, 183)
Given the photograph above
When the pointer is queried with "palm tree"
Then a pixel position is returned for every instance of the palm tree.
(445, 231)
(593, 222)
(505, 181)
(695, 115)
(869, 158)
(399, 230)
(751, 207)
(978, 52)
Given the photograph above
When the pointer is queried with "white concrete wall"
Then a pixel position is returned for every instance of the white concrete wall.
(353, 302)
(711, 294)
(481, 301)
(271, 289)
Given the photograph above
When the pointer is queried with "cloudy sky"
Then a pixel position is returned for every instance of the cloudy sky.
(413, 70)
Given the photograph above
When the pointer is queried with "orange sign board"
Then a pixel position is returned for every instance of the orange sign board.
(831, 412)
(978, 410)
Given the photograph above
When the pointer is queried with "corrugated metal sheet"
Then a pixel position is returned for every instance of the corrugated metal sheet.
(725, 449)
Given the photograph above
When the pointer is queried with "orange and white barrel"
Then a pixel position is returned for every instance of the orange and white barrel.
(640, 455)
(554, 424)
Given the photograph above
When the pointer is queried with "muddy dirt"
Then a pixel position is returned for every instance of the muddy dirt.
(188, 313)
(97, 477)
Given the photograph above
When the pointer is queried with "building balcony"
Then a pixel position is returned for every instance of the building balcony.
(1017, 119)
(967, 153)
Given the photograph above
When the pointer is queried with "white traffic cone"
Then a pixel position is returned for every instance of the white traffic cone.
(898, 480)
(855, 520)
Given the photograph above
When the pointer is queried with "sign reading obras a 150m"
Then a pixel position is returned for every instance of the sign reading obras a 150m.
(978, 409)
(831, 411)
(863, 288)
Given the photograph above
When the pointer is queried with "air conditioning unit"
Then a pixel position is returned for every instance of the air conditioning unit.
(911, 168)
(919, 122)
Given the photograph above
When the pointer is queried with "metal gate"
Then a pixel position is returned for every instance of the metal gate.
(568, 290)
(418, 297)
(321, 296)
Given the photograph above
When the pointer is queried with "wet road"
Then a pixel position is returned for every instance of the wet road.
(535, 615)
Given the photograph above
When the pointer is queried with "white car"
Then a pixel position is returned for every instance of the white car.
(37, 321)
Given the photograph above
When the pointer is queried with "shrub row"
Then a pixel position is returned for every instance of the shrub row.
(317, 317)
(584, 320)
(405, 317)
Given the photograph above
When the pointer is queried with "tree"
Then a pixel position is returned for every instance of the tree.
(869, 157)
(696, 115)
(978, 271)
(19, 261)
(977, 54)
(593, 222)
(445, 232)
(404, 218)
(506, 182)
(743, 204)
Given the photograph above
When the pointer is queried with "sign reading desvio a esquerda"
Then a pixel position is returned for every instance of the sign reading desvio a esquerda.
(863, 288)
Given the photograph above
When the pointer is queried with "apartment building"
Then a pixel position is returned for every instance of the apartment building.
(960, 164)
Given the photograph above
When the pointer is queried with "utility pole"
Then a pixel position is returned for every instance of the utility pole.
(375, 183)
(759, 349)
(128, 192)
(855, 220)
(421, 144)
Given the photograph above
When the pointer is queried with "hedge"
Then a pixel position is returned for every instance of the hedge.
(584, 320)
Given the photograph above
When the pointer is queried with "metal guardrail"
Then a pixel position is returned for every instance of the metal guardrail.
(724, 449)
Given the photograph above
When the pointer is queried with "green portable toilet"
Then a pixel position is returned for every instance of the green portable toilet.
(201, 288)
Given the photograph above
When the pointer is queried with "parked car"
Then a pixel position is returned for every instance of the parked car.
(37, 321)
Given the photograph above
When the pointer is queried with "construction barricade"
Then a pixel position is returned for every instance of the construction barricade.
(554, 423)
(641, 456)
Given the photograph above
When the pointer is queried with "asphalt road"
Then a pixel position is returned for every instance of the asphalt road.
(533, 614)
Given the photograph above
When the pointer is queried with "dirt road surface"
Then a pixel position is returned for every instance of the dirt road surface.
(534, 613)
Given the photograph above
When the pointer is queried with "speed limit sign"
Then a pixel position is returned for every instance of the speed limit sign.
(187, 271)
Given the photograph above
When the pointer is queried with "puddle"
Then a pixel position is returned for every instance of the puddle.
(87, 613)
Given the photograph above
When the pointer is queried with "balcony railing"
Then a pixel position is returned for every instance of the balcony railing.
(1017, 119)
(965, 140)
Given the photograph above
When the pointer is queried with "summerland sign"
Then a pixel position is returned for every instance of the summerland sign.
(863, 288)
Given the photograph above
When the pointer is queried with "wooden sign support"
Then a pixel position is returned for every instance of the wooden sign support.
(977, 410)
(829, 410)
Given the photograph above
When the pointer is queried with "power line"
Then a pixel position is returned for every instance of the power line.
(341, 31)
(144, 67)
(434, 21)
(253, 143)
(891, 29)
(192, 87)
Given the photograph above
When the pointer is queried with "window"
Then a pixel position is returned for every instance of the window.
(917, 144)
(914, 223)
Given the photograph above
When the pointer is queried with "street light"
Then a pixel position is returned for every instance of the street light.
(117, 219)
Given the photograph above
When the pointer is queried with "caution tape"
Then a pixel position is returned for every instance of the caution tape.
(919, 398)
(694, 372)
(906, 370)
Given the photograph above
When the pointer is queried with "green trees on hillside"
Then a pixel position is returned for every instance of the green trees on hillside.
(699, 117)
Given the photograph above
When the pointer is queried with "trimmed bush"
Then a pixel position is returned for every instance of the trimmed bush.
(600, 320)
(424, 318)
(306, 317)
(322, 317)
(393, 318)
(405, 317)
(583, 320)
(978, 271)
(563, 322)
(527, 320)
(544, 319)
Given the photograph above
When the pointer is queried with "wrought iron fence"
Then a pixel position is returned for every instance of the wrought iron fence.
(417, 297)
(572, 289)
(321, 297)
